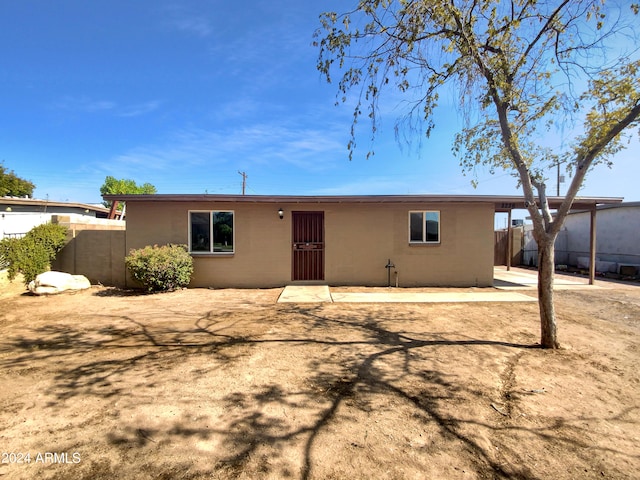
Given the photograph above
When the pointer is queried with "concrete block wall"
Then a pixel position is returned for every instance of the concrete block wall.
(95, 249)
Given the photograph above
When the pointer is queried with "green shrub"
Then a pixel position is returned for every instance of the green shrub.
(161, 269)
(4, 249)
(32, 254)
(51, 236)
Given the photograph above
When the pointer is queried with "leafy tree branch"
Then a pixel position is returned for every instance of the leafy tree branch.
(516, 67)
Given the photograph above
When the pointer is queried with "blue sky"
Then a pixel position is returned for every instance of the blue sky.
(184, 94)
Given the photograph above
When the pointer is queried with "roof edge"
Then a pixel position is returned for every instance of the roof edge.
(502, 202)
(50, 203)
(163, 197)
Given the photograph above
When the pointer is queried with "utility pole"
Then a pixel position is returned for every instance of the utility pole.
(244, 180)
(560, 179)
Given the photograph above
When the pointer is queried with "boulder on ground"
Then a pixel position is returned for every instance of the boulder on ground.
(49, 283)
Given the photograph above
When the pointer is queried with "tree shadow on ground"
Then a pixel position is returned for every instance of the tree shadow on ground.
(363, 358)
(119, 292)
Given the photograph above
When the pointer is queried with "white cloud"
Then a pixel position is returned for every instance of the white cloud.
(139, 109)
(178, 17)
(198, 26)
(84, 104)
(277, 145)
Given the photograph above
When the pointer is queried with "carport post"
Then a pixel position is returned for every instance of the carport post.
(112, 210)
(509, 241)
(592, 246)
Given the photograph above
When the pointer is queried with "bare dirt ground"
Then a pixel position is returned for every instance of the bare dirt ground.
(228, 384)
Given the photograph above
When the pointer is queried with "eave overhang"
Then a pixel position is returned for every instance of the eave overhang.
(502, 203)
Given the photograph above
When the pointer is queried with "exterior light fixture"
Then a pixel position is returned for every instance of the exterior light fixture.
(281, 213)
(8, 209)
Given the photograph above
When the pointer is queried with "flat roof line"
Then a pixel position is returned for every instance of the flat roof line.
(49, 203)
(502, 203)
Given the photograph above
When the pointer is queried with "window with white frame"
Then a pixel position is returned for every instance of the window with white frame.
(211, 232)
(424, 227)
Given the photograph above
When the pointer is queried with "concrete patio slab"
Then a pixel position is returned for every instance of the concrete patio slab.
(506, 283)
(305, 294)
(430, 297)
(323, 294)
(522, 279)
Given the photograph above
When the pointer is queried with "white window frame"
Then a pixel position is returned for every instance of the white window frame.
(424, 240)
(211, 239)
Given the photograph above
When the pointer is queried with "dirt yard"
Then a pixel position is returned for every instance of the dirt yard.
(228, 384)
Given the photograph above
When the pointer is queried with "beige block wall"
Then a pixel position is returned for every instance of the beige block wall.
(359, 239)
(95, 249)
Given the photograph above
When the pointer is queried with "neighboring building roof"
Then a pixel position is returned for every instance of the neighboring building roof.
(503, 203)
(37, 203)
(615, 205)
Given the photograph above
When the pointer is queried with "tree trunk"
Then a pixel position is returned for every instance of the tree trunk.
(546, 267)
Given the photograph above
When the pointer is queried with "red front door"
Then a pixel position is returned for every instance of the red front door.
(308, 246)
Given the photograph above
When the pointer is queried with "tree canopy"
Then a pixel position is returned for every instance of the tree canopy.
(12, 185)
(114, 186)
(518, 70)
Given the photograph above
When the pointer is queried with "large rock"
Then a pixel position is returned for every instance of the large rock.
(49, 283)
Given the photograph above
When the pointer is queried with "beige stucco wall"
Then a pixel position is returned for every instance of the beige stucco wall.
(359, 239)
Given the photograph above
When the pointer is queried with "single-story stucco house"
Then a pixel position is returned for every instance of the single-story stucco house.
(18, 215)
(268, 241)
